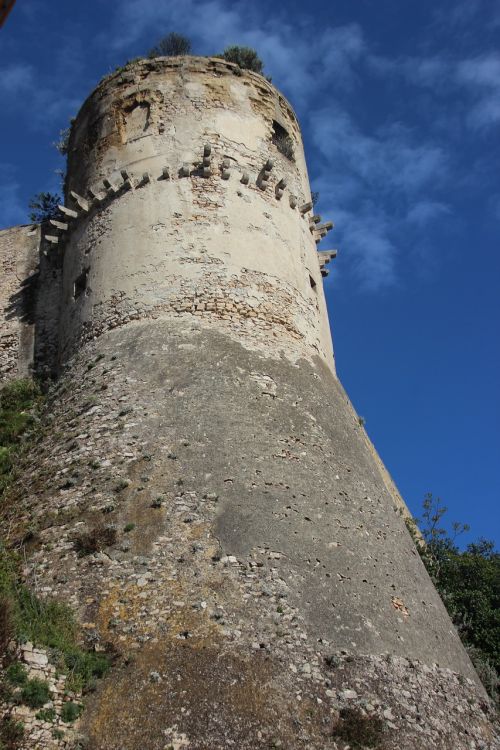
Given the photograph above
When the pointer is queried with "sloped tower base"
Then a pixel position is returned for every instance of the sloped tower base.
(268, 583)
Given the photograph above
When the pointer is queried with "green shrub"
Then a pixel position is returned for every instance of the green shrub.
(11, 733)
(18, 404)
(49, 624)
(467, 582)
(44, 207)
(172, 45)
(46, 714)
(246, 57)
(128, 527)
(16, 673)
(35, 693)
(70, 712)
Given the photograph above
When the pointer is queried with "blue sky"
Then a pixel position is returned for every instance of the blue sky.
(400, 109)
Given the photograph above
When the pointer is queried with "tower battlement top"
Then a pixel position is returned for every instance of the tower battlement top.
(134, 70)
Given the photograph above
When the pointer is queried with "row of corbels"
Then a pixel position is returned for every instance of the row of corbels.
(319, 231)
(83, 206)
(96, 197)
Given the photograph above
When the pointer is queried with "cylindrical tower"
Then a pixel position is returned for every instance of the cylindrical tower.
(206, 213)
(253, 573)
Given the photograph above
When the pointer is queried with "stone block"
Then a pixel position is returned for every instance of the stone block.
(81, 202)
(68, 212)
(59, 225)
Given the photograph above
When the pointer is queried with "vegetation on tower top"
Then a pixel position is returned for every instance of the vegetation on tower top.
(172, 45)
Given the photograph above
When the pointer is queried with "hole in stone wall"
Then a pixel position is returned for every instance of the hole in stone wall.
(137, 119)
(312, 282)
(282, 140)
(80, 284)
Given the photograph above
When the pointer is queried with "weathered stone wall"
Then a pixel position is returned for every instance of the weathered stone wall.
(217, 239)
(18, 266)
(261, 580)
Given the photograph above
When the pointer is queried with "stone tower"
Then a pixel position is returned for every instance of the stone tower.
(254, 578)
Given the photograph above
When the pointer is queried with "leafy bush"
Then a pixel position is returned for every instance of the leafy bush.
(17, 402)
(282, 141)
(6, 622)
(35, 693)
(11, 733)
(46, 714)
(172, 45)
(17, 673)
(44, 207)
(468, 583)
(246, 57)
(284, 144)
(70, 711)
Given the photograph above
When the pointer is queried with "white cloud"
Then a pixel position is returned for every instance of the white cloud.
(481, 77)
(20, 82)
(476, 80)
(372, 184)
(389, 158)
(293, 53)
(425, 211)
(16, 78)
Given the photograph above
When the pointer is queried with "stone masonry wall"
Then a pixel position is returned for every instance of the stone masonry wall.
(261, 580)
(18, 264)
(171, 229)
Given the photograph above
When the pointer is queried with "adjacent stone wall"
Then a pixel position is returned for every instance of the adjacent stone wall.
(44, 728)
(18, 274)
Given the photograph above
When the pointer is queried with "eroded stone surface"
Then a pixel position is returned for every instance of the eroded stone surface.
(253, 585)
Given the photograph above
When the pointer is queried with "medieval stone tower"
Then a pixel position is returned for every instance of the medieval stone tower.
(208, 503)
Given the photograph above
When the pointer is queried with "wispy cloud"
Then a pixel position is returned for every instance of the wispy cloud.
(481, 77)
(371, 183)
(475, 79)
(20, 83)
(293, 52)
(16, 78)
(425, 211)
